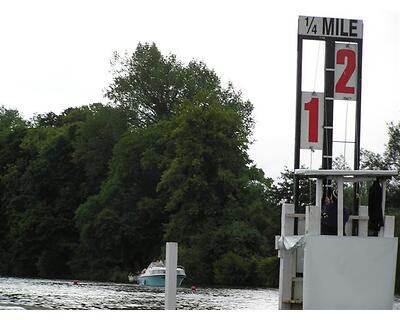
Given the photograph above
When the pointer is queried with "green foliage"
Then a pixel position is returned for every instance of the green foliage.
(282, 191)
(231, 269)
(10, 120)
(42, 183)
(95, 191)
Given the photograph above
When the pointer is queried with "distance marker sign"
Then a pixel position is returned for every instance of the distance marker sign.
(345, 71)
(312, 120)
(330, 27)
(342, 68)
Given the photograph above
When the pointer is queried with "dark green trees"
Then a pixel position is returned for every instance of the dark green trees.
(45, 176)
(96, 191)
(180, 174)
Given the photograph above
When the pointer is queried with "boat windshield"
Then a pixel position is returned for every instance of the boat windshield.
(158, 264)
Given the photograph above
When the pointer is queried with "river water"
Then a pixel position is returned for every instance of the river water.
(20, 293)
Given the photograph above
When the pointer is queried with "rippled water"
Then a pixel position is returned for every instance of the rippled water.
(18, 293)
(62, 294)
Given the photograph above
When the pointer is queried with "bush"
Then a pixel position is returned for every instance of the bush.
(232, 269)
(267, 272)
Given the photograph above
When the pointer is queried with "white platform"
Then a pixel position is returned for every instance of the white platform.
(349, 272)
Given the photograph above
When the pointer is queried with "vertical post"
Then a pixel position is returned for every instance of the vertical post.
(328, 113)
(313, 221)
(363, 224)
(383, 197)
(389, 227)
(340, 207)
(382, 230)
(170, 275)
(329, 98)
(287, 260)
(318, 192)
(356, 185)
(298, 121)
(287, 224)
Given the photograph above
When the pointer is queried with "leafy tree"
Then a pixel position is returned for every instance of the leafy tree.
(129, 196)
(181, 173)
(10, 120)
(96, 129)
(145, 85)
(372, 161)
(49, 119)
(149, 86)
(282, 191)
(95, 191)
(30, 198)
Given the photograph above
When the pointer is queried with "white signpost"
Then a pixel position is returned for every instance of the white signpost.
(171, 255)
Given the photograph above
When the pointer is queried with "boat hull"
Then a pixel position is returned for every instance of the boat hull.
(157, 280)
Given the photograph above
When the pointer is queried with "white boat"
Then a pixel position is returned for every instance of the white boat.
(154, 275)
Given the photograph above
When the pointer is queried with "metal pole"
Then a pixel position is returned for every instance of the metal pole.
(340, 207)
(170, 275)
(298, 121)
(328, 116)
(358, 126)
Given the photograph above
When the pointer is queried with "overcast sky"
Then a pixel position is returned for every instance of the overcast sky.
(56, 54)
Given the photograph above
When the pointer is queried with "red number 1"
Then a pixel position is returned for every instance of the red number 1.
(341, 55)
(312, 107)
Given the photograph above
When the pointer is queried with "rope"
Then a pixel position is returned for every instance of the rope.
(309, 180)
(345, 127)
(345, 133)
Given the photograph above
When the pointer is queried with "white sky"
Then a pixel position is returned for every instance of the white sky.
(56, 54)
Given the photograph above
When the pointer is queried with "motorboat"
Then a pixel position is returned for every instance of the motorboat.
(154, 275)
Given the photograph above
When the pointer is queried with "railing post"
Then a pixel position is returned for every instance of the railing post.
(287, 260)
(389, 227)
(318, 192)
(363, 223)
(313, 221)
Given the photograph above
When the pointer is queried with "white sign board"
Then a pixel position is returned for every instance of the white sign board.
(345, 71)
(330, 27)
(312, 120)
(349, 272)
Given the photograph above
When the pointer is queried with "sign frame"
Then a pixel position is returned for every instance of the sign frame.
(330, 41)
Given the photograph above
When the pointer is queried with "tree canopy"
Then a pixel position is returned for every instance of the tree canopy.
(96, 191)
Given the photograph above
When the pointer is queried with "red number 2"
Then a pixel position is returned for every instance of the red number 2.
(341, 55)
(312, 107)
